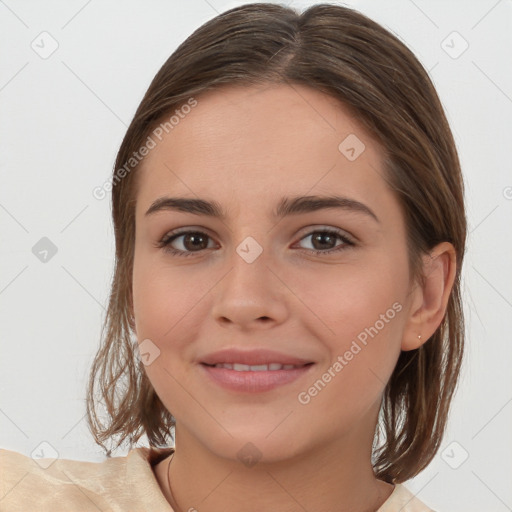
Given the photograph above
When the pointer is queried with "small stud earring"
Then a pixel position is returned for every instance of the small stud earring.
(419, 337)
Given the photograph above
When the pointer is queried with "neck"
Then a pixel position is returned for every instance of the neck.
(325, 478)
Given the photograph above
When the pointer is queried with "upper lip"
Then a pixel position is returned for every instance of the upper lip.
(251, 357)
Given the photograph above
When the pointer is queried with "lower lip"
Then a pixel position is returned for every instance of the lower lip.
(252, 381)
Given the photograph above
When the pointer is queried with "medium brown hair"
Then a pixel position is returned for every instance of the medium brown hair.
(346, 55)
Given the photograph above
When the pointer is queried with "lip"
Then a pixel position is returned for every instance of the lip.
(253, 381)
(252, 357)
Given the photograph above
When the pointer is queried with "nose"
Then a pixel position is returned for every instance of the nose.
(250, 295)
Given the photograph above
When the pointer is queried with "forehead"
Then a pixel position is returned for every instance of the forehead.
(261, 139)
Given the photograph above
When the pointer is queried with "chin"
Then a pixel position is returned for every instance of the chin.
(251, 448)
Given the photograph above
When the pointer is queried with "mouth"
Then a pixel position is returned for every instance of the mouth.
(244, 378)
(239, 367)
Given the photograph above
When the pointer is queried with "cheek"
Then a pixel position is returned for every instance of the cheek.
(344, 300)
(167, 299)
(359, 316)
(165, 310)
(155, 299)
(362, 356)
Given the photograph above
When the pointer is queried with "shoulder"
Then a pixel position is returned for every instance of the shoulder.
(117, 483)
(403, 500)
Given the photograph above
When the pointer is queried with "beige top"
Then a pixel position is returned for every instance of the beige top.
(118, 484)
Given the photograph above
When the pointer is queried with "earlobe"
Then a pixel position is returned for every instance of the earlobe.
(430, 298)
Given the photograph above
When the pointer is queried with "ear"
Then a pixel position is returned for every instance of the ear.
(430, 297)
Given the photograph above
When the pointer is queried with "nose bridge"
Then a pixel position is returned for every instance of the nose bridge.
(249, 292)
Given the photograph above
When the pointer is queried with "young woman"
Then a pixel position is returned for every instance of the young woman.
(285, 323)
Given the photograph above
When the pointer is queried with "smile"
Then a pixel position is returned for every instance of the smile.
(254, 378)
(257, 367)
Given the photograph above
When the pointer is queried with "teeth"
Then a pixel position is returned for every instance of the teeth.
(255, 368)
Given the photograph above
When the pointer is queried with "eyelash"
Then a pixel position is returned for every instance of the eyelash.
(164, 243)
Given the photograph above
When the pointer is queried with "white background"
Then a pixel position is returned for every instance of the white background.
(62, 120)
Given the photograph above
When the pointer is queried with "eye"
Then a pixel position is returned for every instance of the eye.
(192, 241)
(324, 241)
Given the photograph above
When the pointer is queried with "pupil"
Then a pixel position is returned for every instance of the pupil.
(193, 238)
(321, 237)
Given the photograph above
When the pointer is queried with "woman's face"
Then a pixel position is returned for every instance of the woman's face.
(252, 280)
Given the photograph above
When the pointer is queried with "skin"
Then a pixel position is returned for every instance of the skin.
(246, 147)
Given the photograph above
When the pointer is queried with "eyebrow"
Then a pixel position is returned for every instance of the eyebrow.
(286, 206)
